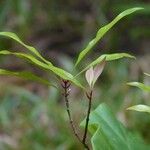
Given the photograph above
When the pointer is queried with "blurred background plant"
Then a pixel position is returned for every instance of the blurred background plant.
(32, 116)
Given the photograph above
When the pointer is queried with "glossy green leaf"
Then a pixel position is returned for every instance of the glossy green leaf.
(141, 108)
(109, 134)
(102, 31)
(107, 57)
(26, 75)
(58, 71)
(140, 85)
(30, 48)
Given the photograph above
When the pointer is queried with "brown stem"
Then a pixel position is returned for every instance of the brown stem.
(89, 96)
(66, 86)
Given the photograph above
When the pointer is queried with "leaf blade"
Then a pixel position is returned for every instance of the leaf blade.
(89, 76)
(147, 74)
(140, 108)
(98, 70)
(25, 56)
(13, 36)
(107, 57)
(102, 31)
(108, 133)
(142, 86)
(58, 71)
(27, 76)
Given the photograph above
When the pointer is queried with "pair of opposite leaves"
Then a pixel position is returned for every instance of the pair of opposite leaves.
(92, 74)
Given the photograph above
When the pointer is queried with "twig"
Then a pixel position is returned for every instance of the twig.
(89, 96)
(66, 86)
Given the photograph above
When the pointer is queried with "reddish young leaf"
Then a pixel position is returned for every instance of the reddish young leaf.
(98, 70)
(89, 76)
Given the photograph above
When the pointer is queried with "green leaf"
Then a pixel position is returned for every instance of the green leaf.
(30, 48)
(67, 76)
(141, 108)
(26, 56)
(147, 74)
(140, 85)
(107, 57)
(58, 71)
(27, 76)
(102, 31)
(109, 134)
